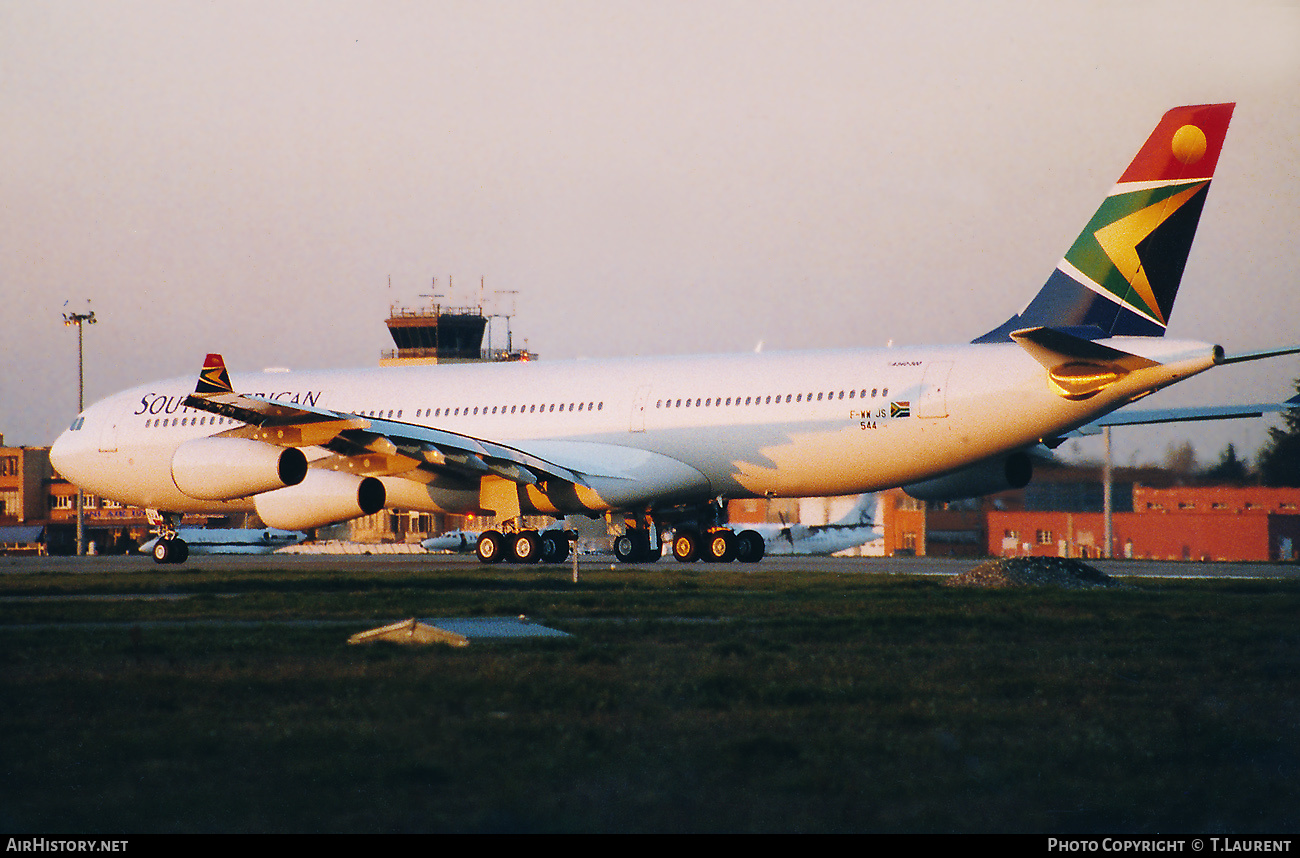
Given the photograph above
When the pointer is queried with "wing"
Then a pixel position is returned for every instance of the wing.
(368, 446)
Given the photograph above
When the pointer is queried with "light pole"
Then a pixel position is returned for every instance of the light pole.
(69, 320)
(1107, 502)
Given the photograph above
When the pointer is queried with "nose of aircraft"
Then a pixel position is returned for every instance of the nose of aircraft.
(69, 448)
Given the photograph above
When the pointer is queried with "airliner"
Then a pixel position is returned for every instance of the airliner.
(227, 540)
(664, 442)
(856, 527)
(458, 541)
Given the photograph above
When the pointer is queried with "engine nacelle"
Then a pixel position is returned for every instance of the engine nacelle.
(323, 497)
(228, 468)
(1013, 471)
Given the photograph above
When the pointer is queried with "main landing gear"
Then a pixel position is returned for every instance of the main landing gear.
(703, 538)
(524, 546)
(169, 548)
(717, 545)
(636, 546)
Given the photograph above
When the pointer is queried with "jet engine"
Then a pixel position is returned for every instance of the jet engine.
(1012, 471)
(227, 468)
(323, 497)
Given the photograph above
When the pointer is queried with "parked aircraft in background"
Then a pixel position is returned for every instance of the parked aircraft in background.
(858, 527)
(459, 541)
(201, 540)
(665, 441)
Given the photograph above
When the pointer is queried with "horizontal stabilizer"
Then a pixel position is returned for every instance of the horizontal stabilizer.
(1146, 416)
(1263, 354)
(1077, 368)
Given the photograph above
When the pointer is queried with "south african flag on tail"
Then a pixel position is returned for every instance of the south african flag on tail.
(213, 378)
(1121, 275)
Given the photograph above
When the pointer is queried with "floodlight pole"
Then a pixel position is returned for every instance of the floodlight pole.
(1107, 500)
(69, 320)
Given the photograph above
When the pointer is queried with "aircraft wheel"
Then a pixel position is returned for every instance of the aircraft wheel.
(686, 546)
(750, 547)
(491, 547)
(625, 548)
(720, 546)
(171, 551)
(653, 551)
(525, 547)
(555, 546)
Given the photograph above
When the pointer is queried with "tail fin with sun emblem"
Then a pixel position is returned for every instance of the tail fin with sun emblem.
(1121, 275)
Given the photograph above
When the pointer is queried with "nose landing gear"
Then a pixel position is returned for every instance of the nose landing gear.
(169, 548)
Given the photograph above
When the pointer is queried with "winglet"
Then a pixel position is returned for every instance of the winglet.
(213, 378)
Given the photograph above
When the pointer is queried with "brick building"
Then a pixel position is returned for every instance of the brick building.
(1179, 523)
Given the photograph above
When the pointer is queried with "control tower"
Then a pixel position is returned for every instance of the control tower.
(438, 334)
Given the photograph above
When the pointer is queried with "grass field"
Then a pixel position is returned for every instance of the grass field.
(687, 699)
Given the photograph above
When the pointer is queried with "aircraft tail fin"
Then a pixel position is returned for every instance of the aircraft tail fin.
(863, 512)
(213, 378)
(1121, 275)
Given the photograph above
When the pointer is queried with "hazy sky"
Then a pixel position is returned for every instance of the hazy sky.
(650, 177)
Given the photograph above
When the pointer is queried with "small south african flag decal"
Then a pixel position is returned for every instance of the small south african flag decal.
(900, 409)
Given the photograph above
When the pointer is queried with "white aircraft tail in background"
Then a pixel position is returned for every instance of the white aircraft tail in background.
(858, 527)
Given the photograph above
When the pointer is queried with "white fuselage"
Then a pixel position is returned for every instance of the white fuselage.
(775, 424)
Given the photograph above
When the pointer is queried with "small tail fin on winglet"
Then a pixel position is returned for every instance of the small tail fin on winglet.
(213, 378)
(1121, 275)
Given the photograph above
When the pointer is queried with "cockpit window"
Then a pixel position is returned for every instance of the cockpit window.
(77, 424)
